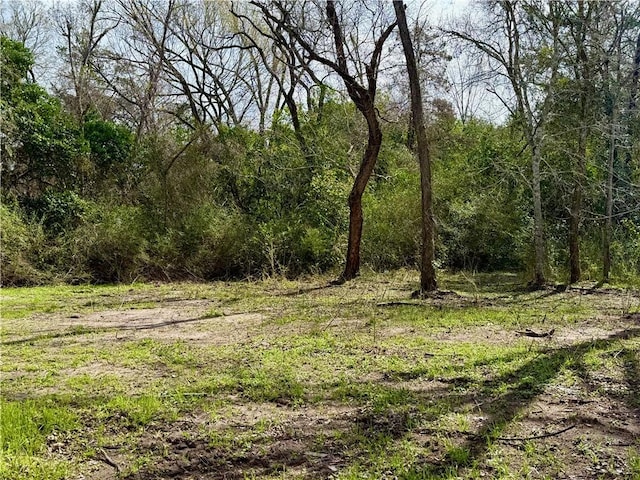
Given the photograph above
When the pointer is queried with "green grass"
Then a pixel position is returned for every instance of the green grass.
(275, 381)
(25, 428)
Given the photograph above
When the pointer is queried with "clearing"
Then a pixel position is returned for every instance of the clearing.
(299, 379)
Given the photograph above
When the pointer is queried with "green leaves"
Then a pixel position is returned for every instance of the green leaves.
(15, 62)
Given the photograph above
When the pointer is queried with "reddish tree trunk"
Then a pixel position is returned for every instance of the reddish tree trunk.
(352, 265)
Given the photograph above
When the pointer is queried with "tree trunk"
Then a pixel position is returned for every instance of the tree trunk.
(427, 272)
(608, 222)
(538, 226)
(574, 235)
(585, 75)
(352, 265)
(576, 207)
(635, 79)
(362, 97)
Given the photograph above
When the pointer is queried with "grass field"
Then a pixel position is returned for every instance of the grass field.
(299, 379)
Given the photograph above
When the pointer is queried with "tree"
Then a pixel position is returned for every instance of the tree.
(207, 79)
(288, 70)
(41, 145)
(27, 22)
(521, 38)
(83, 27)
(583, 54)
(620, 110)
(360, 78)
(427, 272)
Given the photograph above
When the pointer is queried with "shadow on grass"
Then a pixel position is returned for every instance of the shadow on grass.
(302, 291)
(632, 376)
(83, 330)
(527, 383)
(318, 448)
(374, 417)
(72, 332)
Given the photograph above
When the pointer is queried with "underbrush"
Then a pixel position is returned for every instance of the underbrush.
(71, 240)
(21, 242)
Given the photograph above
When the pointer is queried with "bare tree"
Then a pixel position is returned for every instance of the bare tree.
(512, 32)
(83, 27)
(207, 79)
(287, 67)
(27, 21)
(466, 77)
(132, 67)
(355, 58)
(427, 272)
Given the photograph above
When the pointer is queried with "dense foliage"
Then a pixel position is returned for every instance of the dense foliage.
(102, 185)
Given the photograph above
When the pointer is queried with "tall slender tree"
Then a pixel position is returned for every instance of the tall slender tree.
(520, 38)
(427, 272)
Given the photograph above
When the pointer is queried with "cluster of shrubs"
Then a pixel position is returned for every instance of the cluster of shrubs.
(75, 240)
(117, 243)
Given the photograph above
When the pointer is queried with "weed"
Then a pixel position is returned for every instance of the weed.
(634, 464)
(137, 411)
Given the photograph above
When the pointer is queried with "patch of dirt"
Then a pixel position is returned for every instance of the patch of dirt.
(97, 369)
(257, 441)
(596, 441)
(162, 323)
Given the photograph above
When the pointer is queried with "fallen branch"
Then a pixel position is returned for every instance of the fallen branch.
(477, 436)
(530, 333)
(535, 437)
(106, 459)
(398, 304)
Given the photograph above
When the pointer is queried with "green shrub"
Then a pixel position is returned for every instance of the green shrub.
(626, 250)
(58, 212)
(210, 242)
(19, 243)
(477, 234)
(391, 230)
(289, 246)
(110, 245)
(219, 244)
(319, 249)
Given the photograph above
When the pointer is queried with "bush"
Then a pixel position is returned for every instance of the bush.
(290, 247)
(58, 212)
(20, 241)
(476, 234)
(110, 245)
(392, 228)
(210, 242)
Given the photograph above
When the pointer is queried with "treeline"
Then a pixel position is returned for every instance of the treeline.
(192, 139)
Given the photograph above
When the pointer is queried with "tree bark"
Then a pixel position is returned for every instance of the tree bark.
(538, 220)
(635, 79)
(584, 74)
(608, 222)
(576, 205)
(428, 281)
(352, 264)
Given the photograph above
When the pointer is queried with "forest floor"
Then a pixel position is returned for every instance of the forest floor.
(300, 379)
